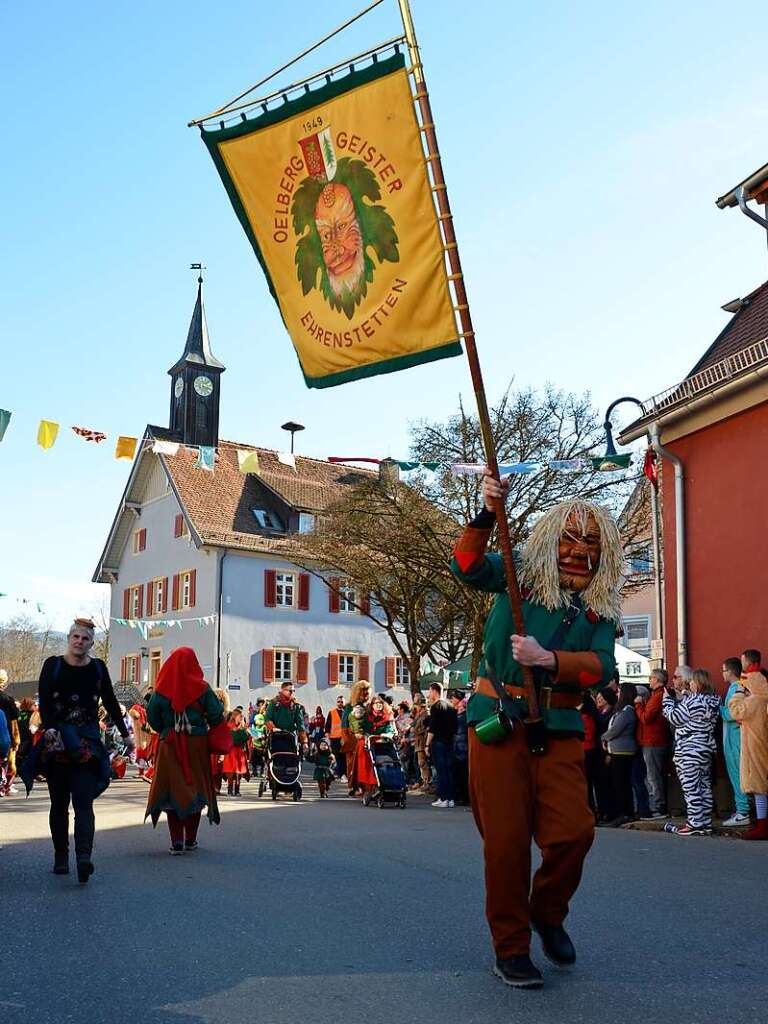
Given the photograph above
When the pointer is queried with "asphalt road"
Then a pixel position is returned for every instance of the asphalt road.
(326, 911)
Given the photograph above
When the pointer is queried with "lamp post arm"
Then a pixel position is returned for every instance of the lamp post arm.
(607, 426)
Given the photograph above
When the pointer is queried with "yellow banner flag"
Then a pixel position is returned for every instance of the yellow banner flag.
(333, 193)
(47, 433)
(126, 447)
(248, 462)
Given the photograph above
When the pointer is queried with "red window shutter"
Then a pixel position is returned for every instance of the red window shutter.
(365, 604)
(177, 525)
(151, 598)
(140, 611)
(363, 667)
(333, 594)
(122, 670)
(302, 667)
(389, 671)
(268, 665)
(142, 539)
(165, 595)
(175, 602)
(127, 603)
(333, 669)
(304, 592)
(270, 588)
(192, 588)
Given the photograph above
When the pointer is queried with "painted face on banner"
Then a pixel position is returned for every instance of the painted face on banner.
(341, 238)
(578, 553)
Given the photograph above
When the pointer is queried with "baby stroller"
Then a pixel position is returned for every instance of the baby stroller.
(388, 771)
(283, 765)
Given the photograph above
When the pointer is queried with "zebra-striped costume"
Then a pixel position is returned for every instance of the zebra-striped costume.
(694, 718)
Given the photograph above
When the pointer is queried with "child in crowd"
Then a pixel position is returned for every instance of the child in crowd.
(236, 761)
(323, 774)
(749, 707)
(694, 718)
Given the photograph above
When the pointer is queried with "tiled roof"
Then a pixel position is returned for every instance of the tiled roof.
(219, 503)
(744, 328)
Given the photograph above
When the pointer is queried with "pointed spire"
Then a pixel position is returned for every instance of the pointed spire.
(197, 351)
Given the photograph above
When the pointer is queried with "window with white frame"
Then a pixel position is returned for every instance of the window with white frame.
(285, 589)
(185, 590)
(402, 673)
(135, 603)
(347, 598)
(634, 668)
(139, 540)
(306, 522)
(132, 668)
(637, 633)
(347, 669)
(156, 596)
(284, 665)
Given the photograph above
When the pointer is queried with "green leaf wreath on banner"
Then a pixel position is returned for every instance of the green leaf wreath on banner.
(376, 226)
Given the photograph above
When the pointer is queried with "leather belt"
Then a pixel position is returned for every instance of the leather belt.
(547, 699)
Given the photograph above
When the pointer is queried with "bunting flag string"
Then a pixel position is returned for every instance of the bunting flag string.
(580, 465)
(126, 446)
(144, 626)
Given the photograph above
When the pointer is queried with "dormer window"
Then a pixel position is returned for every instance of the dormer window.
(266, 519)
(306, 522)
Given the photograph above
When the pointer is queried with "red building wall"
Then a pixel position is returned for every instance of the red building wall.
(726, 497)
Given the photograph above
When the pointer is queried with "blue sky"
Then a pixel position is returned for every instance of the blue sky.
(583, 145)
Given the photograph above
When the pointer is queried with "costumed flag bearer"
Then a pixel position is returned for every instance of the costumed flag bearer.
(570, 569)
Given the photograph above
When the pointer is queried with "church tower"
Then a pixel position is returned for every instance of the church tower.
(195, 382)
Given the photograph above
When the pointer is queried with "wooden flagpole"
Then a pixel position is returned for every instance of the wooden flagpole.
(421, 98)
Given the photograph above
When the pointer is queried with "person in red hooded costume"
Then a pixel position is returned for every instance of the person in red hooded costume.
(182, 710)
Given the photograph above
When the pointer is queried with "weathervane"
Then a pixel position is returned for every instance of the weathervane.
(200, 267)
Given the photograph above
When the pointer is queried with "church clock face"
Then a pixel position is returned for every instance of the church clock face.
(178, 387)
(203, 386)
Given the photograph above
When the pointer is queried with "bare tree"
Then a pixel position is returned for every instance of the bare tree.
(392, 548)
(394, 543)
(24, 646)
(527, 427)
(101, 643)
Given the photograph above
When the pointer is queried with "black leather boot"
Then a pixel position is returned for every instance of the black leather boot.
(84, 869)
(519, 972)
(557, 946)
(61, 863)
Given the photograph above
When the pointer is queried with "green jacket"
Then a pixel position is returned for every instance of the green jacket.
(207, 709)
(585, 655)
(290, 718)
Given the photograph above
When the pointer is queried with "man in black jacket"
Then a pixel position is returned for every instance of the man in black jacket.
(441, 729)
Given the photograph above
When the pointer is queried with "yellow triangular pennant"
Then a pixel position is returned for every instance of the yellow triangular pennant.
(125, 447)
(47, 433)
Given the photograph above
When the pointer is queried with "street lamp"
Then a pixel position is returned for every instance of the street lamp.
(609, 461)
(294, 428)
(612, 460)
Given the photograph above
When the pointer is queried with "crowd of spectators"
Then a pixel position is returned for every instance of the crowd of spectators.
(634, 736)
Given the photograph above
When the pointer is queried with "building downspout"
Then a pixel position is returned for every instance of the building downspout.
(682, 624)
(658, 653)
(220, 608)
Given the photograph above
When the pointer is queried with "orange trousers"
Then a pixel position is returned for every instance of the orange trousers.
(517, 797)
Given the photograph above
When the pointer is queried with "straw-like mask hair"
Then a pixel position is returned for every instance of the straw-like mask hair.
(541, 575)
(224, 699)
